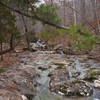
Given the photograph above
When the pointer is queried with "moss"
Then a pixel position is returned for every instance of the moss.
(76, 74)
(59, 64)
(90, 79)
(93, 76)
(61, 67)
(58, 99)
(29, 96)
(76, 81)
(42, 68)
(63, 89)
(91, 69)
(2, 70)
(95, 73)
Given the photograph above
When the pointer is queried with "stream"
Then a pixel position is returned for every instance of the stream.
(44, 63)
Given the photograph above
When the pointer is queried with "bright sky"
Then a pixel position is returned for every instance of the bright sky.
(39, 3)
(43, 2)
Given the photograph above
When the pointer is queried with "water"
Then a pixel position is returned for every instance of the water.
(43, 92)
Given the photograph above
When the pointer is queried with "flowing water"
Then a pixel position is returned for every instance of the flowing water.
(43, 92)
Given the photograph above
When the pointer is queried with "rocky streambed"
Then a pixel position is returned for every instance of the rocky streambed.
(46, 75)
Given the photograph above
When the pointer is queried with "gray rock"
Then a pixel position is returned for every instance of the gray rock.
(97, 83)
(8, 95)
(92, 74)
(19, 79)
(72, 88)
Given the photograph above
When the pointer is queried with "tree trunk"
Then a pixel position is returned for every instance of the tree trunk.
(64, 19)
(83, 12)
(26, 33)
(75, 14)
(95, 17)
(1, 50)
(11, 42)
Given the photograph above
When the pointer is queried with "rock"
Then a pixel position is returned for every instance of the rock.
(61, 49)
(38, 45)
(18, 50)
(8, 95)
(29, 96)
(24, 97)
(73, 88)
(92, 74)
(41, 44)
(19, 79)
(75, 74)
(42, 68)
(59, 46)
(58, 76)
(60, 62)
(34, 46)
(97, 83)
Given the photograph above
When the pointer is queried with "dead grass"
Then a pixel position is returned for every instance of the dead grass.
(66, 40)
(9, 60)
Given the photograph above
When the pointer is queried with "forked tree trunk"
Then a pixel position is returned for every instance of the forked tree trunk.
(26, 33)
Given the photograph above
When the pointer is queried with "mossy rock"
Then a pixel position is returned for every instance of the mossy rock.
(59, 64)
(29, 96)
(76, 74)
(61, 67)
(95, 73)
(2, 70)
(74, 88)
(92, 76)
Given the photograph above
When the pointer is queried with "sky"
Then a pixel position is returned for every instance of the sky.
(40, 2)
(37, 4)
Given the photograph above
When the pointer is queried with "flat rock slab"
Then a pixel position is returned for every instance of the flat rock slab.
(18, 79)
(8, 95)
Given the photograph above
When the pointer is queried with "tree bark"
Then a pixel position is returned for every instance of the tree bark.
(95, 17)
(1, 50)
(33, 17)
(26, 33)
(11, 42)
(75, 14)
(83, 12)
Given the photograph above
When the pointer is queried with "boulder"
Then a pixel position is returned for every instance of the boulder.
(92, 74)
(38, 45)
(61, 49)
(72, 88)
(97, 83)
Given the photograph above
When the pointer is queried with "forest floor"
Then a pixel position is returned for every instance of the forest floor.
(22, 72)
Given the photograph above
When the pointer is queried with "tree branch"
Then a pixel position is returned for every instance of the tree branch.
(92, 26)
(33, 17)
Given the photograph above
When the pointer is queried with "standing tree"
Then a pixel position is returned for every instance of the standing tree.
(45, 13)
(7, 29)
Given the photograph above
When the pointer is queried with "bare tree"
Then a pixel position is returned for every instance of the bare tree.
(95, 17)
(82, 11)
(75, 14)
